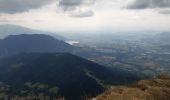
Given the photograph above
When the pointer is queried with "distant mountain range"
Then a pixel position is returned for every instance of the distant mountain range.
(54, 74)
(6, 30)
(15, 44)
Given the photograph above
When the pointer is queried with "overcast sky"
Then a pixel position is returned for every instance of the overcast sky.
(87, 15)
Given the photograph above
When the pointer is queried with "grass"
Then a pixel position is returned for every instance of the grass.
(157, 88)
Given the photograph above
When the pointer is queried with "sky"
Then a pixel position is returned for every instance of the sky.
(87, 15)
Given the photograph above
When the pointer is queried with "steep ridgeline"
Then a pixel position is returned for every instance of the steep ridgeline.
(30, 75)
(15, 44)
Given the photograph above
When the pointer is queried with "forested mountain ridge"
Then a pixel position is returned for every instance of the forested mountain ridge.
(53, 74)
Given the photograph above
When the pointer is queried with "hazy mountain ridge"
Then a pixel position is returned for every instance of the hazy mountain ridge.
(6, 30)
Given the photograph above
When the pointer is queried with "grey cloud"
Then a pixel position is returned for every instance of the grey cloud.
(18, 6)
(68, 5)
(82, 14)
(74, 7)
(6, 20)
(3, 20)
(166, 12)
(70, 2)
(144, 4)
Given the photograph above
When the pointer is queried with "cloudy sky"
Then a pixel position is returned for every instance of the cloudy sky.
(87, 15)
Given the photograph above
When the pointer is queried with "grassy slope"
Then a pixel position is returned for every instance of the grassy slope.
(157, 88)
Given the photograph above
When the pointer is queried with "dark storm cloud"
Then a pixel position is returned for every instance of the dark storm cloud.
(144, 4)
(18, 6)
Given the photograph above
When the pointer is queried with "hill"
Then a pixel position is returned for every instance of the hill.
(53, 75)
(157, 88)
(15, 44)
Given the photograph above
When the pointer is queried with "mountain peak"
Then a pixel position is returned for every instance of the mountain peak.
(15, 44)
